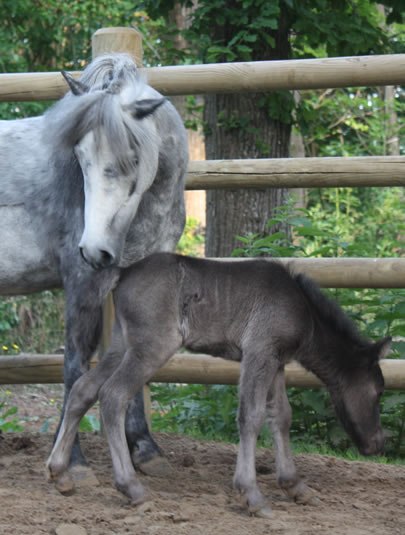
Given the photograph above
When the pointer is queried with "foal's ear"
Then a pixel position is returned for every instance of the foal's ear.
(76, 87)
(382, 347)
(143, 108)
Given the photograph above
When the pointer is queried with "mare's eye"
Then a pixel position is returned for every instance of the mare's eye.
(131, 190)
(110, 171)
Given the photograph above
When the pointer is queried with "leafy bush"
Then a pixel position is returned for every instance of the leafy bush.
(32, 324)
(5, 423)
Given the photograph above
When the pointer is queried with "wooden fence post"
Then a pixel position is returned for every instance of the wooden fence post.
(104, 41)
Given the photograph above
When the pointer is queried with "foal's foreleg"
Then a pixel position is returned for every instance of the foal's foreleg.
(133, 372)
(82, 396)
(279, 416)
(255, 377)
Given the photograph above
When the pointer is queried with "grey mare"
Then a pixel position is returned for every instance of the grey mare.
(255, 312)
(87, 189)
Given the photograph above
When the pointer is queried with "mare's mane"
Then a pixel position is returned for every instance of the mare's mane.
(114, 84)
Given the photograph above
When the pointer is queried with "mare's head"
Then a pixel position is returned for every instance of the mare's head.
(357, 397)
(107, 122)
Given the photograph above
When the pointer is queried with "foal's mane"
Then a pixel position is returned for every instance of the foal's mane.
(329, 312)
(114, 83)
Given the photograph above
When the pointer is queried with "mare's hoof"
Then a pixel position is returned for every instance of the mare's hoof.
(83, 476)
(137, 502)
(156, 467)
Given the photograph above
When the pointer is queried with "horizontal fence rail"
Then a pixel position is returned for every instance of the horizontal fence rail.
(181, 368)
(254, 76)
(300, 172)
(297, 172)
(347, 272)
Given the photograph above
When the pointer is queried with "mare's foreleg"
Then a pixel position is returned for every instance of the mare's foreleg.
(145, 453)
(83, 332)
(256, 374)
(279, 417)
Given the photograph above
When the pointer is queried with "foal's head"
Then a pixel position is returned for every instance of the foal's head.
(357, 397)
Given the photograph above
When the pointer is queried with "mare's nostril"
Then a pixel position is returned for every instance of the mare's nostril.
(100, 259)
(82, 254)
(106, 259)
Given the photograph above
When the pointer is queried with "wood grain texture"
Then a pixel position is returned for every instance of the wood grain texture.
(296, 172)
(181, 368)
(228, 77)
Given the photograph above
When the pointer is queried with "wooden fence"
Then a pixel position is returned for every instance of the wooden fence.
(292, 173)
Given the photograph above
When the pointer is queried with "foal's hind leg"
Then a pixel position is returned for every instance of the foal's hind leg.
(82, 396)
(279, 415)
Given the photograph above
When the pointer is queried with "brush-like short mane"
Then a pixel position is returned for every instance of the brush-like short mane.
(329, 311)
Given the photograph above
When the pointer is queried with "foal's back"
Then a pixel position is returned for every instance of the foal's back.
(222, 308)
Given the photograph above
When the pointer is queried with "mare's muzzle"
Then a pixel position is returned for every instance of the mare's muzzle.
(99, 258)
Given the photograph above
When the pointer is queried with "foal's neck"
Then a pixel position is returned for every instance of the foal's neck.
(327, 353)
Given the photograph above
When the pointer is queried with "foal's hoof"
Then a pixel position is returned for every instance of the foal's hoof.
(308, 499)
(83, 476)
(65, 485)
(156, 467)
(262, 511)
(303, 495)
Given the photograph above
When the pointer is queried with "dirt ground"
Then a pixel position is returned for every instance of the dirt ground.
(197, 498)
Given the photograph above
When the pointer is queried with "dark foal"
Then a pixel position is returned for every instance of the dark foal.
(255, 312)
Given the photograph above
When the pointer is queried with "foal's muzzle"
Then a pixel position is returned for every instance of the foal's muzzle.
(375, 446)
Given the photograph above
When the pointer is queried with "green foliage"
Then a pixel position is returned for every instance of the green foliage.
(349, 122)
(199, 410)
(5, 423)
(89, 423)
(191, 242)
(32, 324)
(50, 36)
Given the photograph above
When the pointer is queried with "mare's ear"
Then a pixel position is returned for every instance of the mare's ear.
(143, 108)
(382, 347)
(76, 87)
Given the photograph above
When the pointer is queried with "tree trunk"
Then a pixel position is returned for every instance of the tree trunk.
(195, 200)
(238, 127)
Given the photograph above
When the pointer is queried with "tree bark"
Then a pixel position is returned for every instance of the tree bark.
(239, 127)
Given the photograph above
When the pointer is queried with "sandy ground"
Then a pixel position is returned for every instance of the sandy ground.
(197, 498)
